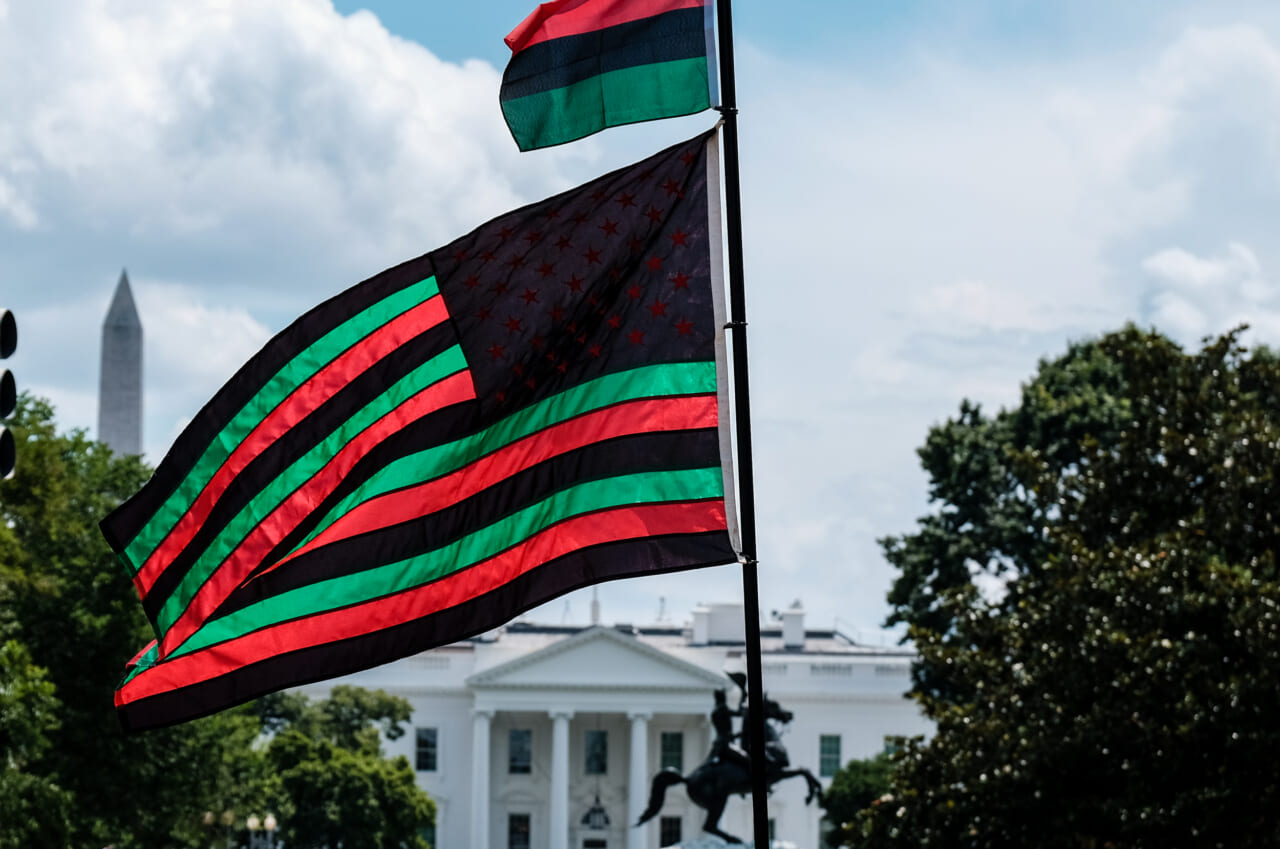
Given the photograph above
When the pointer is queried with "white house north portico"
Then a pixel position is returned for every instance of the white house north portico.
(598, 679)
(547, 737)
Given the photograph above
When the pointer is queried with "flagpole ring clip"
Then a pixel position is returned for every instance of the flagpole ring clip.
(735, 325)
(726, 110)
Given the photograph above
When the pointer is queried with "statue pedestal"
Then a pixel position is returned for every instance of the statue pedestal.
(703, 841)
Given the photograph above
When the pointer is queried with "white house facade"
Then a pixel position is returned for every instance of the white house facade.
(547, 737)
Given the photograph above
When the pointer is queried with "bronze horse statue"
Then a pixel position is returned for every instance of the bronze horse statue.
(715, 779)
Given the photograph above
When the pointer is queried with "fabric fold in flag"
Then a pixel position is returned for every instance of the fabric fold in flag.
(579, 66)
(534, 408)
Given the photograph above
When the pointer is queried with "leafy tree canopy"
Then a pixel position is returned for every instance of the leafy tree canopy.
(35, 808)
(1117, 688)
(67, 603)
(856, 786)
(336, 787)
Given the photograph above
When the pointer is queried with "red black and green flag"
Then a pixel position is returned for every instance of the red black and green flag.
(531, 409)
(579, 66)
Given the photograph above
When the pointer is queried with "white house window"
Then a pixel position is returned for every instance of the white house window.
(520, 752)
(669, 831)
(518, 831)
(597, 749)
(828, 755)
(673, 751)
(425, 749)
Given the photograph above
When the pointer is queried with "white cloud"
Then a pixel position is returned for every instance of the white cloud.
(16, 208)
(981, 306)
(177, 322)
(255, 157)
(1228, 69)
(1192, 297)
(277, 137)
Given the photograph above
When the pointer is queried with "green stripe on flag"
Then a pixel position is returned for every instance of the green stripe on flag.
(311, 360)
(638, 489)
(657, 381)
(449, 362)
(626, 96)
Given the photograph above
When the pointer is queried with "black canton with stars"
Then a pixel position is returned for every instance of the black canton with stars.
(604, 278)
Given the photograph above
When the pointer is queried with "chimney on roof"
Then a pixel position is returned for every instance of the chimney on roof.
(701, 625)
(793, 627)
(720, 623)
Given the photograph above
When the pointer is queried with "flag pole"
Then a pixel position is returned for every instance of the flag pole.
(742, 411)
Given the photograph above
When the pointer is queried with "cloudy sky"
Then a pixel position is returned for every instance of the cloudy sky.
(936, 196)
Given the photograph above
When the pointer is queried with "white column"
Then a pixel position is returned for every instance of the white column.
(480, 779)
(638, 785)
(558, 827)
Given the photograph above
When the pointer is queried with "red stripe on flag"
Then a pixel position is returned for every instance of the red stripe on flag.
(249, 554)
(650, 415)
(321, 386)
(561, 18)
(636, 522)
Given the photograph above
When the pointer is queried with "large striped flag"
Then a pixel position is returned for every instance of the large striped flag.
(531, 409)
(579, 66)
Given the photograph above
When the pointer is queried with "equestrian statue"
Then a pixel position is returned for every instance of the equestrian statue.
(727, 769)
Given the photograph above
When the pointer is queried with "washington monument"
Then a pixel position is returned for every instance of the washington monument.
(120, 378)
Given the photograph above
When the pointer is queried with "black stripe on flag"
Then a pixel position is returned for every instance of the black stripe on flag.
(559, 62)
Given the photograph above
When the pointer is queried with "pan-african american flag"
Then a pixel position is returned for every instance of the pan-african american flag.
(534, 408)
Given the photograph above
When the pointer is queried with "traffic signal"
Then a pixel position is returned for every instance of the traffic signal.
(8, 393)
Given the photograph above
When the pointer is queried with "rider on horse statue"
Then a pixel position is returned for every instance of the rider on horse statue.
(727, 769)
(775, 754)
(722, 747)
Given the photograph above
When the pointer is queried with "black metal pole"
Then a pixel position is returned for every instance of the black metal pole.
(742, 412)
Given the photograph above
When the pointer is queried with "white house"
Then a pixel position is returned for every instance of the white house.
(520, 733)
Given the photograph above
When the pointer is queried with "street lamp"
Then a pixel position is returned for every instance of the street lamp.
(262, 832)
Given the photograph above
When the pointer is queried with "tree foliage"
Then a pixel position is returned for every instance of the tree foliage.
(856, 786)
(336, 787)
(66, 601)
(35, 808)
(1118, 688)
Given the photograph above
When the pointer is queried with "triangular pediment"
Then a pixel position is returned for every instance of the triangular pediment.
(598, 658)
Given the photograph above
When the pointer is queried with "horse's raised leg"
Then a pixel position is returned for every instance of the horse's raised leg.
(815, 786)
(712, 826)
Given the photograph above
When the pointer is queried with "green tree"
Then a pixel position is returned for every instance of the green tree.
(336, 785)
(856, 786)
(991, 519)
(66, 600)
(34, 809)
(1119, 688)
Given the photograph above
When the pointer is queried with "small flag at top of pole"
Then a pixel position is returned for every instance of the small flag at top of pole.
(580, 66)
